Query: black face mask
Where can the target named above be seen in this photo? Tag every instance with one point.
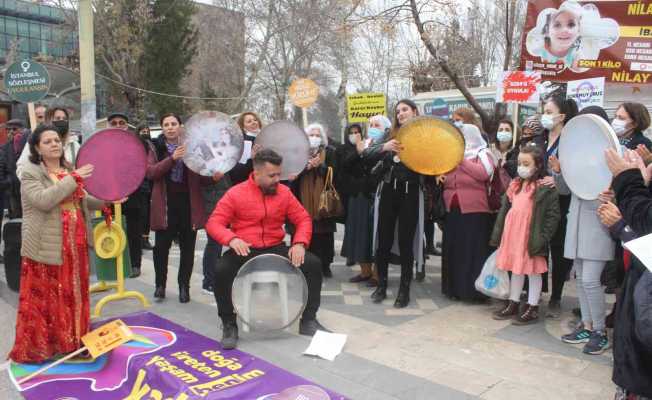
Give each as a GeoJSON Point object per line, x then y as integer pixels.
{"type": "Point", "coordinates": [62, 127]}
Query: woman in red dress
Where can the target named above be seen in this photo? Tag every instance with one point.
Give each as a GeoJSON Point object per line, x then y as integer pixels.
{"type": "Point", "coordinates": [53, 309]}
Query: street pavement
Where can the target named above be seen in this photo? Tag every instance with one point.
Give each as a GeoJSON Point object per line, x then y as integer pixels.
{"type": "Point", "coordinates": [433, 349]}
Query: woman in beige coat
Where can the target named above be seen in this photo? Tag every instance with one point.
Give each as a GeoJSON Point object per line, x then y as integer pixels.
{"type": "Point", "coordinates": [53, 309]}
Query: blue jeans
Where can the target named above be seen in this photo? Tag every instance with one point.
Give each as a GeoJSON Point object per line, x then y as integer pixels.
{"type": "Point", "coordinates": [212, 252]}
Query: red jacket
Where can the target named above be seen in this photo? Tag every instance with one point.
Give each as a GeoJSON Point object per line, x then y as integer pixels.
{"type": "Point", "coordinates": [245, 213]}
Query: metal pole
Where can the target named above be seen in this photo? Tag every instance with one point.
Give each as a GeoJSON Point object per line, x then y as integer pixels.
{"type": "Point", "coordinates": [87, 68]}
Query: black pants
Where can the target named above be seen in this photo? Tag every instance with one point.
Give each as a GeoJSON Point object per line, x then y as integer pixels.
{"type": "Point", "coordinates": [230, 263]}
{"type": "Point", "coordinates": [146, 207]}
{"type": "Point", "coordinates": [179, 225]}
{"type": "Point", "coordinates": [429, 230]}
{"type": "Point", "coordinates": [399, 201]}
{"type": "Point", "coordinates": [560, 266]}
{"type": "Point", "coordinates": [134, 216]}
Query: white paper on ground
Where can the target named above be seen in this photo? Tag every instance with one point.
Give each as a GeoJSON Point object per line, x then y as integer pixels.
{"type": "Point", "coordinates": [246, 152]}
{"type": "Point", "coordinates": [642, 249]}
{"type": "Point", "coordinates": [326, 345]}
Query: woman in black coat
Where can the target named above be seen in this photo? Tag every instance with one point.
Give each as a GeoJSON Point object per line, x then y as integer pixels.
{"type": "Point", "coordinates": [358, 187]}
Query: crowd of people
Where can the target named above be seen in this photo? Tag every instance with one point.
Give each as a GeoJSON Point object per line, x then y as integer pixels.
{"type": "Point", "coordinates": [507, 195]}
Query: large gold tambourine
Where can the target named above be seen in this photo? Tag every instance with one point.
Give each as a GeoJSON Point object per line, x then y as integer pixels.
{"type": "Point", "coordinates": [430, 146]}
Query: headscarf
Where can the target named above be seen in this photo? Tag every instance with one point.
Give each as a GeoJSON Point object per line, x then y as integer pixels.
{"type": "Point", "coordinates": [534, 124]}
{"type": "Point", "coordinates": [475, 146]}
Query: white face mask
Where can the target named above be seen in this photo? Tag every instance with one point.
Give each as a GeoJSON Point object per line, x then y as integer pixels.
{"type": "Point", "coordinates": [353, 139]}
{"type": "Point", "coordinates": [458, 124]}
{"type": "Point", "coordinates": [620, 126]}
{"type": "Point", "coordinates": [314, 141]}
{"type": "Point", "coordinates": [524, 172]}
{"type": "Point", "coordinates": [547, 121]}
{"type": "Point", "coordinates": [504, 136]}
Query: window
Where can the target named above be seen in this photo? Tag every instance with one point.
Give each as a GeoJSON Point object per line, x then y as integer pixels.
{"type": "Point", "coordinates": [23, 28]}
{"type": "Point", "coordinates": [10, 26]}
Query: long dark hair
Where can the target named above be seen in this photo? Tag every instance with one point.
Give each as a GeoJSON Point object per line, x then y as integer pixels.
{"type": "Point", "coordinates": [539, 163]}
{"type": "Point", "coordinates": [568, 107]}
{"type": "Point", "coordinates": [35, 140]}
{"type": "Point", "coordinates": [396, 125]}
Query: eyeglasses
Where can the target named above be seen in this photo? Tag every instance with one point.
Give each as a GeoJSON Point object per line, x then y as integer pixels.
{"type": "Point", "coordinates": [119, 122]}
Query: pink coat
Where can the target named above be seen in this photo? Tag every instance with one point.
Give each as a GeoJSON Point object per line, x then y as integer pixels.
{"type": "Point", "coordinates": [469, 181]}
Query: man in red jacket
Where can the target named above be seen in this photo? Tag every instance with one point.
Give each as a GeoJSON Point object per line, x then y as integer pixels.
{"type": "Point", "coordinates": [249, 219]}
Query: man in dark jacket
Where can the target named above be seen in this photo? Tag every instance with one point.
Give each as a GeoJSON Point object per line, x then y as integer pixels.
{"type": "Point", "coordinates": [632, 370]}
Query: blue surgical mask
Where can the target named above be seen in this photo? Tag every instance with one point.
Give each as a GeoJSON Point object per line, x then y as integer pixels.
{"type": "Point", "coordinates": [504, 136]}
{"type": "Point", "coordinates": [375, 134]}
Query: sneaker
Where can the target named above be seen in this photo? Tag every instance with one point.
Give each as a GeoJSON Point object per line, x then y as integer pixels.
{"type": "Point", "coordinates": [207, 290]}
{"type": "Point", "coordinates": [597, 344]}
{"type": "Point", "coordinates": [579, 335]}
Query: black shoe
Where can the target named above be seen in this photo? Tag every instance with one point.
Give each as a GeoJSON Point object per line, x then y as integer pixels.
{"type": "Point", "coordinates": [308, 327]}
{"type": "Point", "coordinates": [184, 294]}
{"type": "Point", "coordinates": [229, 334]}
{"type": "Point", "coordinates": [420, 276]}
{"type": "Point", "coordinates": [135, 273]}
{"type": "Point", "coordinates": [147, 245]}
{"type": "Point", "coordinates": [403, 297]}
{"type": "Point", "coordinates": [359, 278]}
{"type": "Point", "coordinates": [380, 293]}
{"type": "Point", "coordinates": [327, 272]}
{"type": "Point", "coordinates": [431, 249]}
{"type": "Point", "coordinates": [159, 293]}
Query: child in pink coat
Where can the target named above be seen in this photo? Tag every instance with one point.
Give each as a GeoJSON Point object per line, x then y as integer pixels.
{"type": "Point", "coordinates": [525, 224]}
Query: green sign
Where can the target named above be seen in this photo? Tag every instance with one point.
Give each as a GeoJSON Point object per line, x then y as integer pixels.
{"type": "Point", "coordinates": [27, 81]}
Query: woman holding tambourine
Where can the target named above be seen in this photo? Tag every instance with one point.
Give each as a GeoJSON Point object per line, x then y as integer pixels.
{"type": "Point", "coordinates": [400, 194]}
{"type": "Point", "coordinates": [589, 244]}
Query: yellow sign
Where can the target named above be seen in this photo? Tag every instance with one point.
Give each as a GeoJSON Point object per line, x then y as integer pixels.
{"type": "Point", "coordinates": [361, 106]}
{"type": "Point", "coordinates": [303, 92]}
{"type": "Point", "coordinates": [107, 337]}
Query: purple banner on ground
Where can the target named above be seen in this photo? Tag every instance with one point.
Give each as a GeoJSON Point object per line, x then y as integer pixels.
{"type": "Point", "coordinates": [168, 362]}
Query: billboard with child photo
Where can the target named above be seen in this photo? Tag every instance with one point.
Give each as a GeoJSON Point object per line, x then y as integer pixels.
{"type": "Point", "coordinates": [570, 40]}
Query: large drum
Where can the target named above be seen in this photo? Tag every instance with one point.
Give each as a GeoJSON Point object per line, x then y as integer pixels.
{"type": "Point", "coordinates": [582, 147]}
{"type": "Point", "coordinates": [269, 293]}
{"type": "Point", "coordinates": [214, 143]}
{"type": "Point", "coordinates": [120, 163]}
{"type": "Point", "coordinates": [289, 141]}
{"type": "Point", "coordinates": [430, 146]}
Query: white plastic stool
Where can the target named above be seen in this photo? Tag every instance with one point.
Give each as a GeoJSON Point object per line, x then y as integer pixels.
{"type": "Point", "coordinates": [265, 277]}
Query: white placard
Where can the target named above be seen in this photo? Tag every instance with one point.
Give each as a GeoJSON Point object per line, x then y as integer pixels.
{"type": "Point", "coordinates": [586, 92]}
{"type": "Point", "coordinates": [642, 249]}
{"type": "Point", "coordinates": [326, 345]}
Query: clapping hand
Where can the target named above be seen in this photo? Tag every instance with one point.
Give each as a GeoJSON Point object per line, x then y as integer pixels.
{"type": "Point", "coordinates": [645, 154]}
{"type": "Point", "coordinates": [609, 214]}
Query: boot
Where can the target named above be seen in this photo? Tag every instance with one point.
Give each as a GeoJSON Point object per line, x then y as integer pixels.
{"type": "Point", "coordinates": [184, 294]}
{"type": "Point", "coordinates": [530, 316]}
{"type": "Point", "coordinates": [403, 297]}
{"type": "Point", "coordinates": [229, 333]}
{"type": "Point", "coordinates": [159, 293]}
{"type": "Point", "coordinates": [507, 312]}
{"type": "Point", "coordinates": [380, 293]}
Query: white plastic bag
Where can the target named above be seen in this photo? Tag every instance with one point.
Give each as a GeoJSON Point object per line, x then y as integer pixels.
{"type": "Point", "coordinates": [493, 282]}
